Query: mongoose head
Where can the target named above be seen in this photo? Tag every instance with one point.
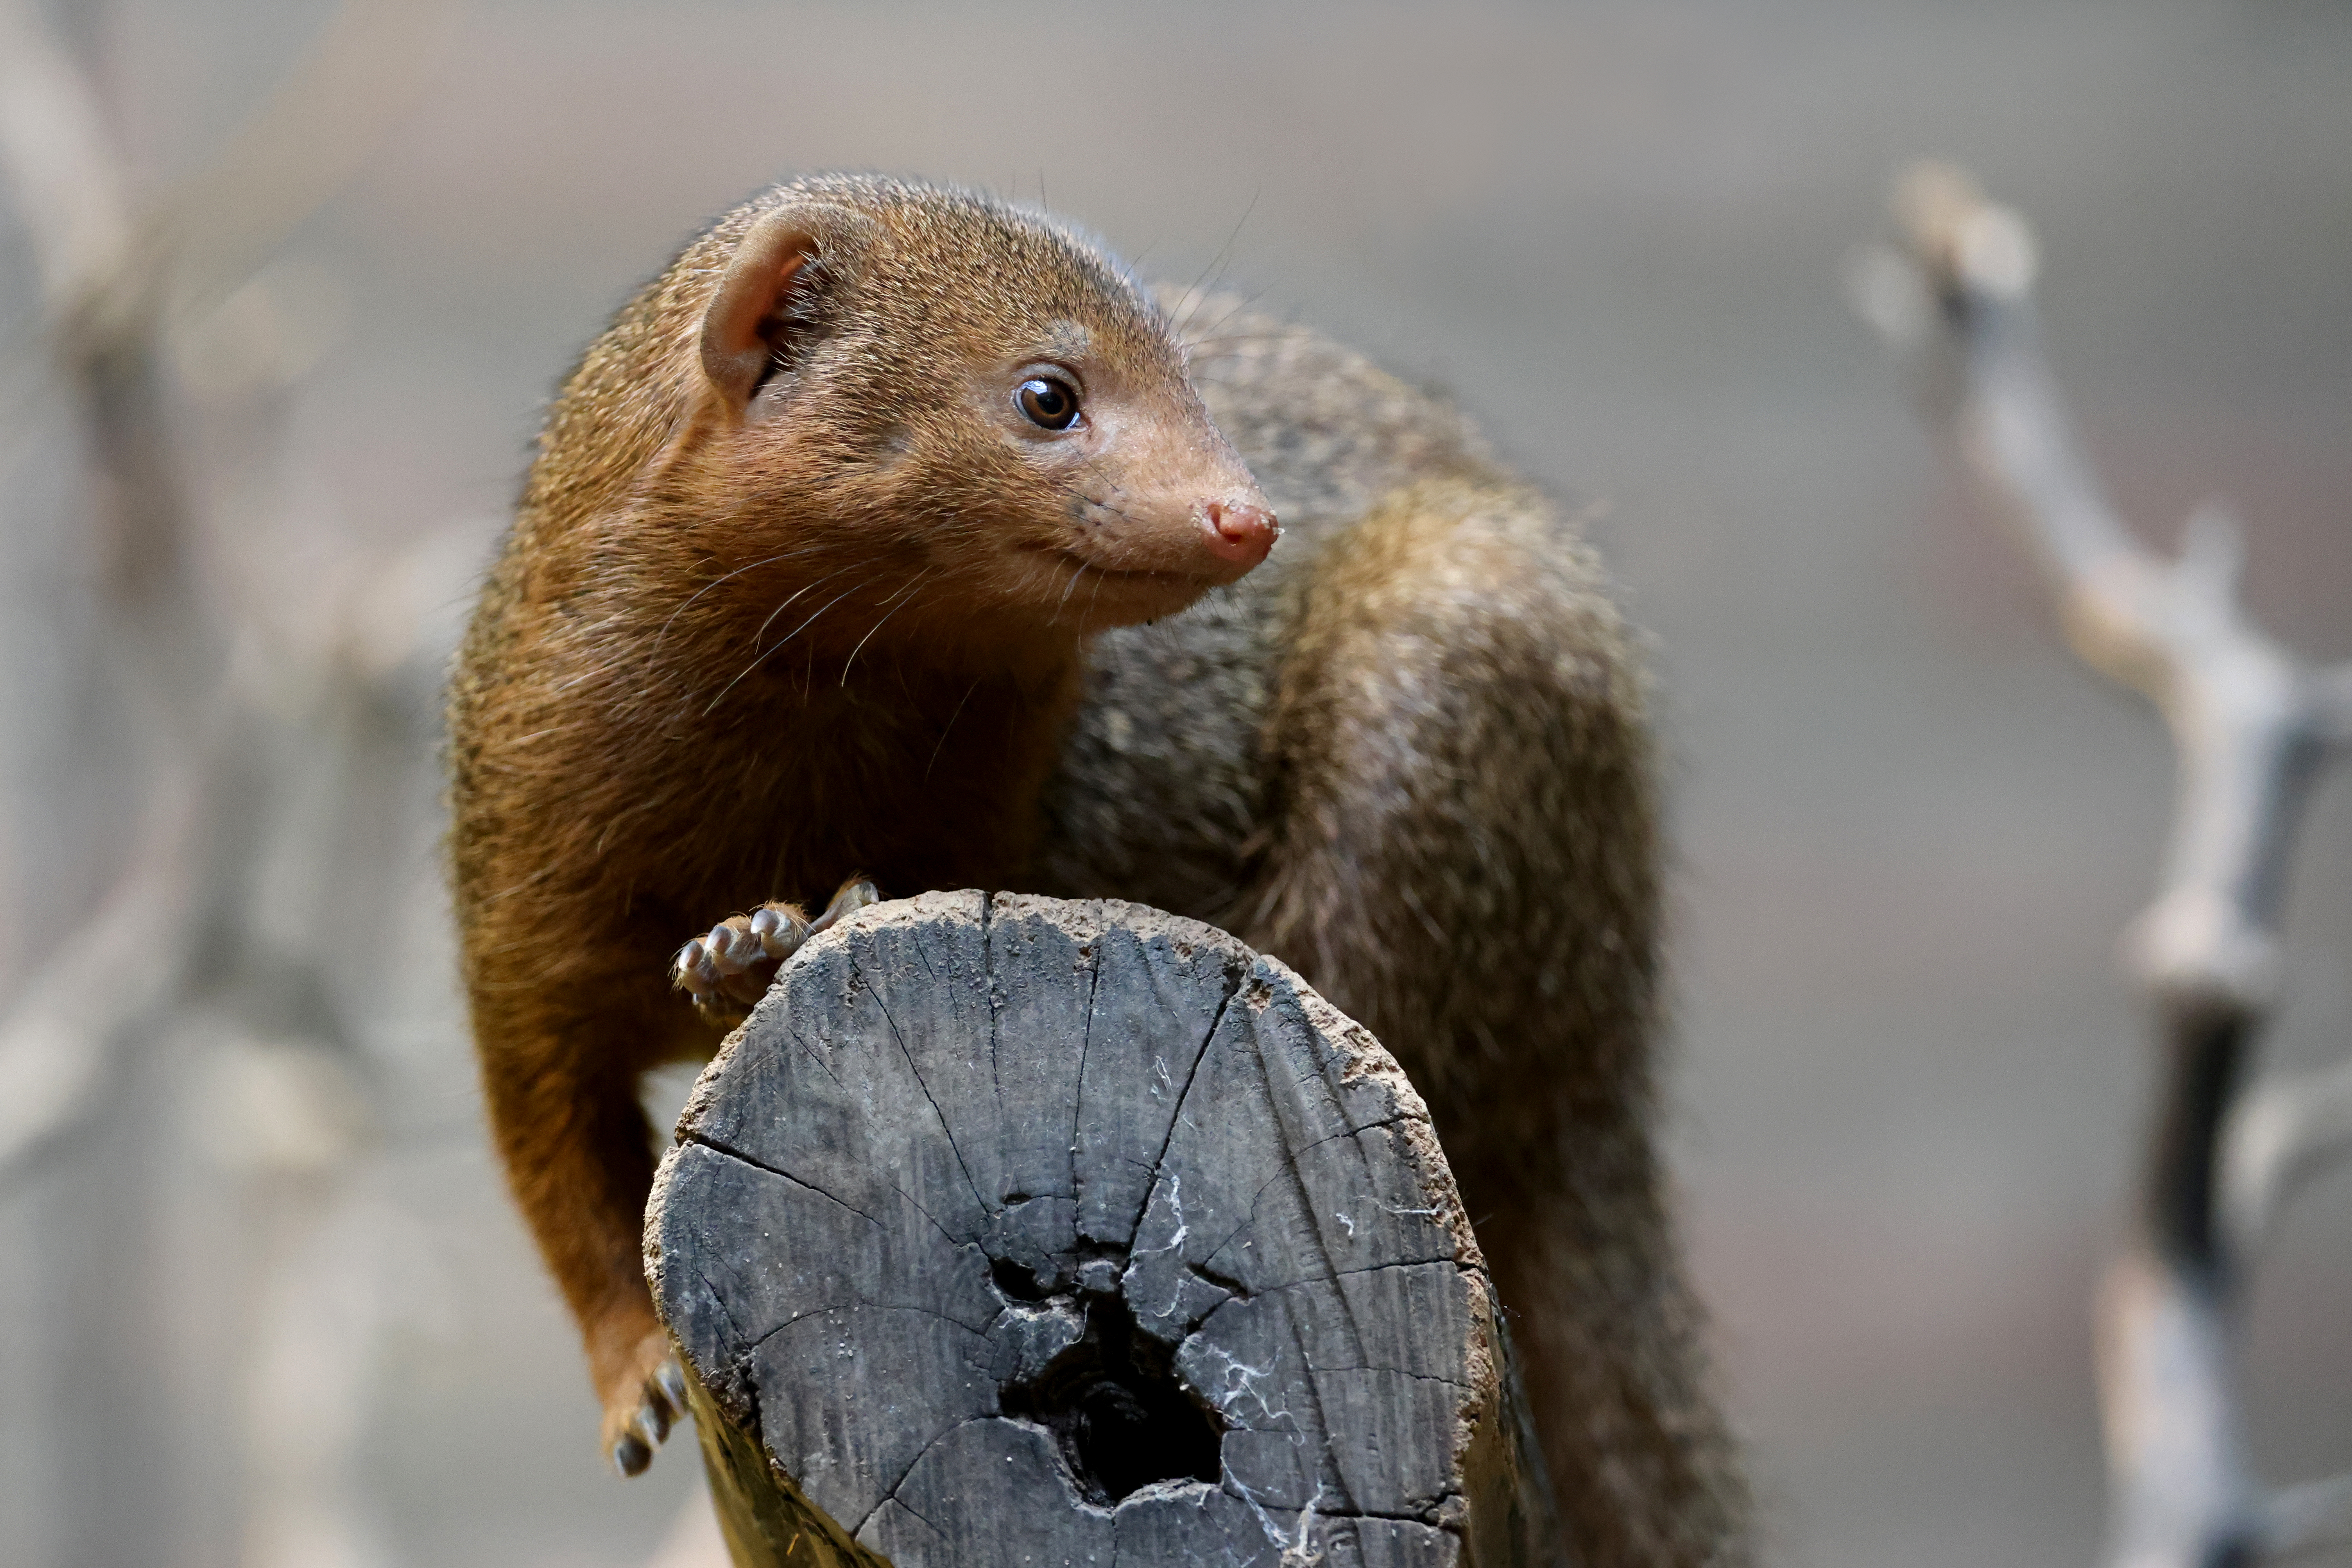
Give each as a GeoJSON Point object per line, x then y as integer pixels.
{"type": "Point", "coordinates": [971, 413]}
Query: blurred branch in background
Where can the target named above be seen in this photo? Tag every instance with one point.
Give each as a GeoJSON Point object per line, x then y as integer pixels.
{"type": "Point", "coordinates": [181, 1069]}
{"type": "Point", "coordinates": [2251, 725]}
{"type": "Point", "coordinates": [179, 596]}
{"type": "Point", "coordinates": [97, 286]}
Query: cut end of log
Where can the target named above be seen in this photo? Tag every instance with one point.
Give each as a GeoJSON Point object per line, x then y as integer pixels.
{"type": "Point", "coordinates": [1008, 1230]}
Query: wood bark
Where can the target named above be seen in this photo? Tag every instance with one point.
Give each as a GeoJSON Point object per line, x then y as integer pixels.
{"type": "Point", "coordinates": [1009, 1230]}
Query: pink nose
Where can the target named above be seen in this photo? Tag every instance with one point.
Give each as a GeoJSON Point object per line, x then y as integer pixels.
{"type": "Point", "coordinates": [1238, 531]}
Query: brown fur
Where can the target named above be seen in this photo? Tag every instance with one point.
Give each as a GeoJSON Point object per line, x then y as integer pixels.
{"type": "Point", "coordinates": [1407, 755]}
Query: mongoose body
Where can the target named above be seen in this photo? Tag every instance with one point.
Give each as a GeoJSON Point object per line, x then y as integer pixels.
{"type": "Point", "coordinates": [810, 582]}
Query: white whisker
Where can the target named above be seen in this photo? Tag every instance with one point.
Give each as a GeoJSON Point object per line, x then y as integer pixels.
{"type": "Point", "coordinates": [760, 657]}
{"type": "Point", "coordinates": [908, 598]}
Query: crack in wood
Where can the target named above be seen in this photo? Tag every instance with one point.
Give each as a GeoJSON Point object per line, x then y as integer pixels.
{"type": "Point", "coordinates": [1088, 952]}
{"type": "Point", "coordinates": [705, 1140]}
{"type": "Point", "coordinates": [945, 1131]}
{"type": "Point", "coordinates": [1176, 1117]}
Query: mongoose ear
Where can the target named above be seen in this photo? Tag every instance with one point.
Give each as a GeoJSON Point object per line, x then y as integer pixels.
{"type": "Point", "coordinates": [750, 319]}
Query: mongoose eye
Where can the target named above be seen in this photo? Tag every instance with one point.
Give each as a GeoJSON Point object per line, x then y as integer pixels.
{"type": "Point", "coordinates": [1049, 402]}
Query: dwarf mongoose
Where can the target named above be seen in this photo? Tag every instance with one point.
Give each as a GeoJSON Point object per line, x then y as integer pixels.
{"type": "Point", "coordinates": [894, 533]}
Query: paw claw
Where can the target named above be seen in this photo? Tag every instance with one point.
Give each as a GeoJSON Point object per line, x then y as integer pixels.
{"type": "Point", "coordinates": [782, 934]}
{"type": "Point", "coordinates": [691, 971]}
{"type": "Point", "coordinates": [854, 895]}
{"type": "Point", "coordinates": [632, 1454]}
{"type": "Point", "coordinates": [671, 1379]}
{"type": "Point", "coordinates": [727, 954]}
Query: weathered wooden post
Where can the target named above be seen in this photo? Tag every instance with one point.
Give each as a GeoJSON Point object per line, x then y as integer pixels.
{"type": "Point", "coordinates": [1015, 1231]}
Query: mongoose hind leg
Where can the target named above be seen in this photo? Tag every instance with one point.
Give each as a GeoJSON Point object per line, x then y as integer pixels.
{"type": "Point", "coordinates": [1463, 856]}
{"type": "Point", "coordinates": [728, 968]}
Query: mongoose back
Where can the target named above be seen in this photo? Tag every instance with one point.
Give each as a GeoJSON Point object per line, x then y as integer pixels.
{"type": "Point", "coordinates": [895, 533]}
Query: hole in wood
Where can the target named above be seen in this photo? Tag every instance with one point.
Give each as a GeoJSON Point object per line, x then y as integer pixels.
{"type": "Point", "coordinates": [1017, 1281]}
{"type": "Point", "coordinates": [1118, 1414]}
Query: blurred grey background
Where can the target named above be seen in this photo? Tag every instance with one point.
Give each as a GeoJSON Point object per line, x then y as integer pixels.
{"type": "Point", "coordinates": [1907, 1077]}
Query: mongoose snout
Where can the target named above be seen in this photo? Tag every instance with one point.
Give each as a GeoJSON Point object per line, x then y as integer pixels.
{"type": "Point", "coordinates": [1239, 531]}
{"type": "Point", "coordinates": [1177, 552]}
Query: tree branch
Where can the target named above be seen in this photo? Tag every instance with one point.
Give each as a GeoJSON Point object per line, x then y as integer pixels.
{"type": "Point", "coordinates": [2251, 724]}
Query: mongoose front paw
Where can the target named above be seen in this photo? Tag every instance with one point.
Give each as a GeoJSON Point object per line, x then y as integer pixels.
{"type": "Point", "coordinates": [730, 968]}
{"type": "Point", "coordinates": [649, 1400]}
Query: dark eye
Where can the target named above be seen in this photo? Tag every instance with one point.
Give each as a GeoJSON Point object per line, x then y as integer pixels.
{"type": "Point", "coordinates": [1049, 402]}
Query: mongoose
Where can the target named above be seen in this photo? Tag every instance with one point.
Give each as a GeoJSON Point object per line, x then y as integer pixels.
{"type": "Point", "coordinates": [897, 537]}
